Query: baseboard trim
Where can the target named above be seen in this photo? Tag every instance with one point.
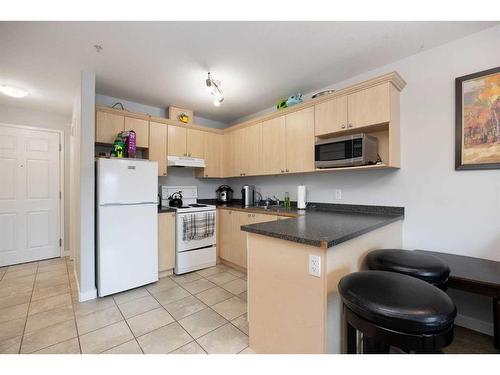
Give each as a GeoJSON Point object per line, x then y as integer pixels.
{"type": "Point", "coordinates": [84, 296]}
{"type": "Point", "coordinates": [474, 324]}
{"type": "Point", "coordinates": [88, 295]}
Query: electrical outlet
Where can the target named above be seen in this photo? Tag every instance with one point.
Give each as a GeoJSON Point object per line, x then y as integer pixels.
{"type": "Point", "coordinates": [338, 194]}
{"type": "Point", "coordinates": [314, 265]}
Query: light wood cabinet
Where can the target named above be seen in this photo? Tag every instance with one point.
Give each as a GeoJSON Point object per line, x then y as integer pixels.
{"type": "Point", "coordinates": [330, 116]}
{"type": "Point", "coordinates": [166, 241]}
{"type": "Point", "coordinates": [141, 129]}
{"type": "Point", "coordinates": [227, 220]}
{"type": "Point", "coordinates": [252, 150]}
{"type": "Point", "coordinates": [274, 146]}
{"type": "Point", "coordinates": [232, 240]}
{"type": "Point", "coordinates": [177, 141]}
{"type": "Point", "coordinates": [108, 125]}
{"type": "Point", "coordinates": [246, 150]}
{"type": "Point", "coordinates": [300, 141]}
{"type": "Point", "coordinates": [228, 167]}
{"type": "Point", "coordinates": [195, 143]}
{"type": "Point", "coordinates": [158, 146]}
{"type": "Point", "coordinates": [369, 107]}
{"type": "Point", "coordinates": [213, 145]}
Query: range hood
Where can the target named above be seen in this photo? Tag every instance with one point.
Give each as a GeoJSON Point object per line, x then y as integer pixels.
{"type": "Point", "coordinates": [185, 161]}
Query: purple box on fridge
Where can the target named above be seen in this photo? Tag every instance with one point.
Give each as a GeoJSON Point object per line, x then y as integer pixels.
{"type": "Point", "coordinates": [130, 144]}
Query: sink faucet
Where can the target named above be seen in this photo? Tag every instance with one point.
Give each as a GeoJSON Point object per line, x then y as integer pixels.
{"type": "Point", "coordinates": [277, 200]}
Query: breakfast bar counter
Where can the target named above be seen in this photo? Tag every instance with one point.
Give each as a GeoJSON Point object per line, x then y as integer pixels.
{"type": "Point", "coordinates": [295, 264]}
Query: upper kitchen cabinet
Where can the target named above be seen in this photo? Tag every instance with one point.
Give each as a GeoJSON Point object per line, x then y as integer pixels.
{"type": "Point", "coordinates": [158, 146]}
{"type": "Point", "coordinates": [228, 165]}
{"type": "Point", "coordinates": [177, 142]}
{"type": "Point", "coordinates": [330, 116]}
{"type": "Point", "coordinates": [369, 107]}
{"type": "Point", "coordinates": [246, 151]}
{"type": "Point", "coordinates": [300, 141]}
{"type": "Point", "coordinates": [252, 150]}
{"type": "Point", "coordinates": [213, 151]}
{"type": "Point", "coordinates": [274, 146]}
{"type": "Point", "coordinates": [195, 140]}
{"type": "Point", "coordinates": [141, 129]}
{"type": "Point", "coordinates": [108, 125]}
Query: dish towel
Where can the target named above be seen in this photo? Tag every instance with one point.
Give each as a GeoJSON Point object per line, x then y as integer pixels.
{"type": "Point", "coordinates": [198, 226]}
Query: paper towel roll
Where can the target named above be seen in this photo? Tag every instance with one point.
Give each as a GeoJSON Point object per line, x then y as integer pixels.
{"type": "Point", "coordinates": [301, 197]}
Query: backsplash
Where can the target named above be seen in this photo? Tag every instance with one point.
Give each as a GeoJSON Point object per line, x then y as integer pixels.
{"type": "Point", "coordinates": [185, 177]}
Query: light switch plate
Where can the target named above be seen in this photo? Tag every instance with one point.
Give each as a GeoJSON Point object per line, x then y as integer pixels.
{"type": "Point", "coordinates": [315, 265]}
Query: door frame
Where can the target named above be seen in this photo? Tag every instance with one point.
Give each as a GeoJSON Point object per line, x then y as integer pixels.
{"type": "Point", "coordinates": [62, 252]}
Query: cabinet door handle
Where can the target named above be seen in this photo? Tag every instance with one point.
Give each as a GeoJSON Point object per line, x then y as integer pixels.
{"type": "Point", "coordinates": [343, 126]}
{"type": "Point", "coordinates": [282, 171]}
{"type": "Point", "coordinates": [287, 170]}
{"type": "Point", "coordinates": [189, 155]}
{"type": "Point", "coordinates": [349, 125]}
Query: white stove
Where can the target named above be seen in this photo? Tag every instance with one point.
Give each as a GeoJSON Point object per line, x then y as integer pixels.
{"type": "Point", "coordinates": [189, 198]}
{"type": "Point", "coordinates": [191, 252]}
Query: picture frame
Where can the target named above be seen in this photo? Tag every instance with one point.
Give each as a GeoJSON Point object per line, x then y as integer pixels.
{"type": "Point", "coordinates": [477, 120]}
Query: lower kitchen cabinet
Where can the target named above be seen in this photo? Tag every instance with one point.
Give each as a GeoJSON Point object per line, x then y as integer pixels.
{"type": "Point", "coordinates": [232, 241]}
{"type": "Point", "coordinates": [166, 241]}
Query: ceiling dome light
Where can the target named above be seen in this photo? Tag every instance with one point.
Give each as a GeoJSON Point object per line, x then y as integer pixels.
{"type": "Point", "coordinates": [213, 87]}
{"type": "Point", "coordinates": [15, 92]}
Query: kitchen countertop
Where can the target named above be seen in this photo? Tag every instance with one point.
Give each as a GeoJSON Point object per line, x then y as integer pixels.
{"type": "Point", "coordinates": [163, 209]}
{"type": "Point", "coordinates": [278, 211]}
{"type": "Point", "coordinates": [325, 225]}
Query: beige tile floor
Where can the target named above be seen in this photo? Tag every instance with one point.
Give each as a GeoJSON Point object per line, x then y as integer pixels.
{"type": "Point", "coordinates": [197, 313]}
{"type": "Point", "coordinates": [201, 312]}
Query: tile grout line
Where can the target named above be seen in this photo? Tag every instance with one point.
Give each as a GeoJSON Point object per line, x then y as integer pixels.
{"type": "Point", "coordinates": [48, 346]}
{"type": "Point", "coordinates": [128, 325]}
{"type": "Point", "coordinates": [73, 307]}
{"type": "Point", "coordinates": [228, 321]}
{"type": "Point", "coordinates": [28, 311]}
{"type": "Point", "coordinates": [175, 320]}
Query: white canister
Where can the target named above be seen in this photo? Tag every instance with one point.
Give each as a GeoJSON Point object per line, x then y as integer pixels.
{"type": "Point", "coordinates": [301, 197]}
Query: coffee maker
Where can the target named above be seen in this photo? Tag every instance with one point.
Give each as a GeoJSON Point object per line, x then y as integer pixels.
{"type": "Point", "coordinates": [247, 195]}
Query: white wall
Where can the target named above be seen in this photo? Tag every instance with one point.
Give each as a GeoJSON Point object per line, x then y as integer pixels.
{"type": "Point", "coordinates": [446, 210]}
{"type": "Point", "coordinates": [82, 185]}
{"type": "Point", "coordinates": [28, 117]}
{"type": "Point", "coordinates": [108, 101]}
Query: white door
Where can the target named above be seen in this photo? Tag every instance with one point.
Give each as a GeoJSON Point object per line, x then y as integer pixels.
{"type": "Point", "coordinates": [29, 195]}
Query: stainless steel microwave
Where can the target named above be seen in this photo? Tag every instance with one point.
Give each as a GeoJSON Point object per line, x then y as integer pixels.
{"type": "Point", "coordinates": [349, 150]}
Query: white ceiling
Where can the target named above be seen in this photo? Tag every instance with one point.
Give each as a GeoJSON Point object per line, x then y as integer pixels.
{"type": "Point", "coordinates": [162, 63]}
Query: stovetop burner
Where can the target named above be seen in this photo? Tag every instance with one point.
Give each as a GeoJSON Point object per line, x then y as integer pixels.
{"type": "Point", "coordinates": [197, 205]}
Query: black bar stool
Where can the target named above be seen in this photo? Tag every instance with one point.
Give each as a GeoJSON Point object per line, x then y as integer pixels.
{"type": "Point", "coordinates": [392, 309]}
{"type": "Point", "coordinates": [424, 267]}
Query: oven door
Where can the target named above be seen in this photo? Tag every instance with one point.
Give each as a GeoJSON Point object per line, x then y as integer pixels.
{"type": "Point", "coordinates": [336, 152]}
{"type": "Point", "coordinates": [182, 245]}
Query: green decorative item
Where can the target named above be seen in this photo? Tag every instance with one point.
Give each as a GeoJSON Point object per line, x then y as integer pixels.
{"type": "Point", "coordinates": [281, 104]}
{"type": "Point", "coordinates": [118, 147]}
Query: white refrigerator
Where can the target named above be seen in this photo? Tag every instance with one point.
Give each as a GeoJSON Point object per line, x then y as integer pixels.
{"type": "Point", "coordinates": [127, 224]}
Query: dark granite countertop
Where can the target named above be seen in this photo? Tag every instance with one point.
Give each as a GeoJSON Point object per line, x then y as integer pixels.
{"type": "Point", "coordinates": [163, 209]}
{"type": "Point", "coordinates": [327, 225]}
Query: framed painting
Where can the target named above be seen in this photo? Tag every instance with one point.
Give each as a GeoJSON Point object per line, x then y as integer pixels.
{"type": "Point", "coordinates": [477, 117]}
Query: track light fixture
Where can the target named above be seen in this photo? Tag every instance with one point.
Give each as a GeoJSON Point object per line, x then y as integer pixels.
{"type": "Point", "coordinates": [213, 87]}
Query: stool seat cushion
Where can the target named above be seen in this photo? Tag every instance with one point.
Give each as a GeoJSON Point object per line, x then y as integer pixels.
{"type": "Point", "coordinates": [396, 301]}
{"type": "Point", "coordinates": [425, 267]}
